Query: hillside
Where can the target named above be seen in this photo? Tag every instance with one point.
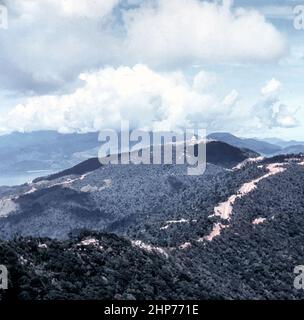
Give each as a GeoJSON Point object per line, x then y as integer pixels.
{"type": "Point", "coordinates": [110, 197]}
{"type": "Point", "coordinates": [88, 267]}
{"type": "Point", "coordinates": [217, 152]}
{"type": "Point", "coordinates": [173, 257]}
{"type": "Point", "coordinates": [231, 233]}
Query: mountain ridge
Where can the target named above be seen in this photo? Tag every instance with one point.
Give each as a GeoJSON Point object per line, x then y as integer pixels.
{"type": "Point", "coordinates": [249, 143]}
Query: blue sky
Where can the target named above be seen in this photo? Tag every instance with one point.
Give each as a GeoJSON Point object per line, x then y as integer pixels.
{"type": "Point", "coordinates": [84, 65]}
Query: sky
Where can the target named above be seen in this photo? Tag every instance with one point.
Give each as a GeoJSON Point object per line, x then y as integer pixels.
{"type": "Point", "coordinates": [87, 65]}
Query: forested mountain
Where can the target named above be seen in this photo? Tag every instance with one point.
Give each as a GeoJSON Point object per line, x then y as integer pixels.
{"type": "Point", "coordinates": [231, 233]}
{"type": "Point", "coordinates": [252, 258]}
{"type": "Point", "coordinates": [108, 197]}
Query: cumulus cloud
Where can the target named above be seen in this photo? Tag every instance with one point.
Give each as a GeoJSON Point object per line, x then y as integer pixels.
{"type": "Point", "coordinates": [50, 42]}
{"type": "Point", "coordinates": [285, 116]}
{"type": "Point", "coordinates": [271, 111]}
{"type": "Point", "coordinates": [179, 31]}
{"type": "Point", "coordinates": [148, 99]}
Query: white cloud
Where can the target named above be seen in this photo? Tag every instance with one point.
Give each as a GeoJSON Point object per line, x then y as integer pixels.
{"type": "Point", "coordinates": [86, 8]}
{"type": "Point", "coordinates": [270, 111]}
{"type": "Point", "coordinates": [285, 116]}
{"type": "Point", "coordinates": [31, 9]}
{"type": "Point", "coordinates": [49, 42]}
{"type": "Point", "coordinates": [204, 80]}
{"type": "Point", "coordinates": [231, 98]}
{"type": "Point", "coordinates": [272, 88]}
{"type": "Point", "coordinates": [148, 99]}
{"type": "Point", "coordinates": [181, 31]}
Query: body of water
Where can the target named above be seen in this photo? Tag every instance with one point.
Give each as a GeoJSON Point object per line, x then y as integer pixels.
{"type": "Point", "coordinates": [14, 180]}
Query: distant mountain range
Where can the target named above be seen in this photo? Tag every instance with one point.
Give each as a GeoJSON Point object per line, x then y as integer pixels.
{"type": "Point", "coordinates": [43, 150]}
{"type": "Point", "coordinates": [267, 147]}
{"type": "Point", "coordinates": [261, 147]}
{"type": "Point", "coordinates": [282, 143]}
{"type": "Point", "coordinates": [30, 154]}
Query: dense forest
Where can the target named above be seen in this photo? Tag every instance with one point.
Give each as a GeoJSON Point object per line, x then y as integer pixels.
{"type": "Point", "coordinates": [107, 268]}
{"type": "Point", "coordinates": [154, 251]}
